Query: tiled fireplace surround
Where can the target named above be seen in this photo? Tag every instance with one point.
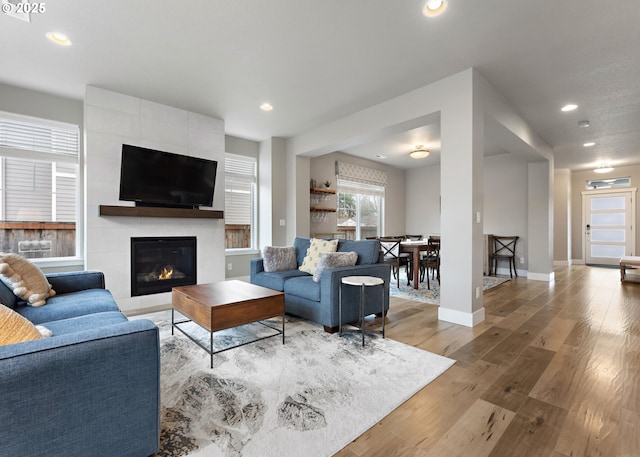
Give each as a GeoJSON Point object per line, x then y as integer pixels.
{"type": "Point", "coordinates": [111, 119]}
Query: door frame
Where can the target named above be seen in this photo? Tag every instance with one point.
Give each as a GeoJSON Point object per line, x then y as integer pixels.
{"type": "Point", "coordinates": [630, 190]}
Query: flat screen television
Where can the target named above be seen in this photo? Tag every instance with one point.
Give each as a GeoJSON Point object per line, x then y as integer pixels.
{"type": "Point", "coordinates": [156, 178]}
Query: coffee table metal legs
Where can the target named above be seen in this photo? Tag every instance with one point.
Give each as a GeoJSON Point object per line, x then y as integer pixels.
{"type": "Point", "coordinates": [209, 349]}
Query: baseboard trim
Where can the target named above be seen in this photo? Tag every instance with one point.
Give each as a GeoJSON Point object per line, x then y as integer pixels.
{"type": "Point", "coordinates": [577, 261]}
{"type": "Point", "coordinates": [561, 263]}
{"type": "Point", "coordinates": [548, 277]}
{"type": "Point", "coordinates": [459, 317]}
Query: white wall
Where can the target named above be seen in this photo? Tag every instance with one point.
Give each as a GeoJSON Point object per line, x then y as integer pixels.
{"type": "Point", "coordinates": [112, 119]}
{"type": "Point", "coordinates": [505, 200]}
{"type": "Point", "coordinates": [562, 217]}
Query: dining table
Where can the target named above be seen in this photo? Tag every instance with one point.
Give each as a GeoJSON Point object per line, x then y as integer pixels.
{"type": "Point", "coordinates": [415, 248]}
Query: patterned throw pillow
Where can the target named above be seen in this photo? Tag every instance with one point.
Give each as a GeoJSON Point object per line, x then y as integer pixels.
{"type": "Point", "coordinates": [334, 260]}
{"type": "Point", "coordinates": [16, 329]}
{"type": "Point", "coordinates": [279, 258]}
{"type": "Point", "coordinates": [25, 279]}
{"type": "Point", "coordinates": [314, 253]}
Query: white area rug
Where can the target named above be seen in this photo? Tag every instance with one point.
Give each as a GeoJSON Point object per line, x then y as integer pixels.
{"type": "Point", "coordinates": [311, 396]}
{"type": "Point", "coordinates": [432, 295]}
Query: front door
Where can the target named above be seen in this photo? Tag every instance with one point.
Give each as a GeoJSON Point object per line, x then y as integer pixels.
{"type": "Point", "coordinates": [609, 225]}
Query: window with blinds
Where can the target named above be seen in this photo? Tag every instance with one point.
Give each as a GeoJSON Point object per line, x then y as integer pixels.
{"type": "Point", "coordinates": [39, 169]}
{"type": "Point", "coordinates": [240, 201]}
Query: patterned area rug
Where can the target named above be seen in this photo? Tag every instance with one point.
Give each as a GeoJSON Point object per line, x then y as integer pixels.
{"type": "Point", "coordinates": [432, 296]}
{"type": "Point", "coordinates": [311, 396]}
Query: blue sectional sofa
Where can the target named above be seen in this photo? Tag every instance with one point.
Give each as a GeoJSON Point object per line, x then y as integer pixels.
{"type": "Point", "coordinates": [319, 301]}
{"type": "Point", "coordinates": [92, 389]}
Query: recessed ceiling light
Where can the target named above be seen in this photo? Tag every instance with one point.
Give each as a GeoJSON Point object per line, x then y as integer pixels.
{"type": "Point", "coordinates": [434, 7]}
{"type": "Point", "coordinates": [58, 38]}
{"type": "Point", "coordinates": [266, 107]}
{"type": "Point", "coordinates": [380, 156]}
{"type": "Point", "coordinates": [569, 107]}
{"type": "Point", "coordinates": [589, 144]}
{"type": "Point", "coordinates": [584, 124]}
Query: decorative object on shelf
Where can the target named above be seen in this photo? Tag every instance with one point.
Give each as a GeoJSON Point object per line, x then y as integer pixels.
{"type": "Point", "coordinates": [327, 184]}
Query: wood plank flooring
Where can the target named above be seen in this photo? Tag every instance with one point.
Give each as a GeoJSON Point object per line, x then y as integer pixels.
{"type": "Point", "coordinates": [554, 370]}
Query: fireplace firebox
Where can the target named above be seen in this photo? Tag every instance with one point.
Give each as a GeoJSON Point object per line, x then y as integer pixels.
{"type": "Point", "coordinates": [159, 264]}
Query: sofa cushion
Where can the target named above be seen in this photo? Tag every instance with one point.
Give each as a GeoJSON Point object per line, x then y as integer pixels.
{"type": "Point", "coordinates": [25, 279]}
{"type": "Point", "coordinates": [15, 329]}
{"type": "Point", "coordinates": [89, 321]}
{"type": "Point", "coordinates": [314, 253]}
{"type": "Point", "coordinates": [304, 287]}
{"type": "Point", "coordinates": [73, 304]}
{"type": "Point", "coordinates": [276, 279]}
{"type": "Point", "coordinates": [334, 260]}
{"type": "Point", "coordinates": [368, 250]}
{"type": "Point", "coordinates": [278, 258]}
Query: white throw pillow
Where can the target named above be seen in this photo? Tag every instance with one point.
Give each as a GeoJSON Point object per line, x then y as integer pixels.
{"type": "Point", "coordinates": [276, 258]}
{"type": "Point", "coordinates": [25, 279]}
{"type": "Point", "coordinates": [314, 253]}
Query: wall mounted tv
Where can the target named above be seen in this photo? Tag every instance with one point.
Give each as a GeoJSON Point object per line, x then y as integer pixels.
{"type": "Point", "coordinates": [156, 178]}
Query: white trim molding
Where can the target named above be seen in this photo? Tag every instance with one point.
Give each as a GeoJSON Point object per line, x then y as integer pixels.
{"type": "Point", "coordinates": [461, 318]}
{"type": "Point", "coordinates": [542, 276]}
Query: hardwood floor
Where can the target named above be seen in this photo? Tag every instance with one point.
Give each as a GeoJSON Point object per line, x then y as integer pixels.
{"type": "Point", "coordinates": [554, 370]}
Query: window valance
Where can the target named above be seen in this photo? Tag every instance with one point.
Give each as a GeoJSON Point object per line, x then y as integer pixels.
{"type": "Point", "coordinates": [356, 173]}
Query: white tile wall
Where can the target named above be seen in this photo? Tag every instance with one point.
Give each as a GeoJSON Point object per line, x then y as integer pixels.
{"type": "Point", "coordinates": [112, 119]}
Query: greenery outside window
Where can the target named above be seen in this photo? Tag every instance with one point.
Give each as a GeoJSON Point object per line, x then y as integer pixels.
{"type": "Point", "coordinates": [240, 202]}
{"type": "Point", "coordinates": [39, 190]}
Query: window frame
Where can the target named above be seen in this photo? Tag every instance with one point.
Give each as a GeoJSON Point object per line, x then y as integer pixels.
{"type": "Point", "coordinates": [347, 186]}
{"type": "Point", "coordinates": [45, 140]}
{"type": "Point", "coordinates": [243, 178]}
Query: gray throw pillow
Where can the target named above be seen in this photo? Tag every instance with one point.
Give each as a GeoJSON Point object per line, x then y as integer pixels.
{"type": "Point", "coordinates": [276, 258]}
{"type": "Point", "coordinates": [334, 260]}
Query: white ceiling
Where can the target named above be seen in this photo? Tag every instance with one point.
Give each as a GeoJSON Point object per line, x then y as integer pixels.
{"type": "Point", "coordinates": [316, 61]}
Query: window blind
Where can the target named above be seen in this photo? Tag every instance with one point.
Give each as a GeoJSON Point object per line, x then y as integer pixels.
{"type": "Point", "coordinates": [240, 178]}
{"type": "Point", "coordinates": [40, 139]}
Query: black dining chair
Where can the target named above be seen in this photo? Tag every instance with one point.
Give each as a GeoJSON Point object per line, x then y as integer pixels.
{"type": "Point", "coordinates": [431, 261]}
{"type": "Point", "coordinates": [390, 247]}
{"type": "Point", "coordinates": [504, 248]}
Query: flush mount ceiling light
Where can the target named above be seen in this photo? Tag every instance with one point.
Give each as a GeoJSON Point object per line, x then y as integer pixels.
{"type": "Point", "coordinates": [434, 8]}
{"type": "Point", "coordinates": [266, 107]}
{"type": "Point", "coordinates": [58, 38]}
{"type": "Point", "coordinates": [589, 144]}
{"type": "Point", "coordinates": [569, 107]}
{"type": "Point", "coordinates": [605, 168]}
{"type": "Point", "coordinates": [419, 152]}
{"type": "Point", "coordinates": [584, 124]}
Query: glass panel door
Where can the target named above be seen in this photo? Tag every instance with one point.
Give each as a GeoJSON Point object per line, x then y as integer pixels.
{"type": "Point", "coordinates": [608, 227]}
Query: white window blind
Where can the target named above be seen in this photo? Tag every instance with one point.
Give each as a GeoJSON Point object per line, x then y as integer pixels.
{"type": "Point", "coordinates": [240, 179]}
{"type": "Point", "coordinates": [28, 137]}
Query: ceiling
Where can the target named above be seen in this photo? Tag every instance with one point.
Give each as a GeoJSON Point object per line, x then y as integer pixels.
{"type": "Point", "coordinates": [322, 60]}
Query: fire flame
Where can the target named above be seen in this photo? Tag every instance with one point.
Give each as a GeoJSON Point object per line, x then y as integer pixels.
{"type": "Point", "coordinates": [166, 273]}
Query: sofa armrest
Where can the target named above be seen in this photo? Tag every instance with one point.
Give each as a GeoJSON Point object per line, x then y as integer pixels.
{"type": "Point", "coordinates": [256, 266]}
{"type": "Point", "coordinates": [82, 393]}
{"type": "Point", "coordinates": [73, 281]}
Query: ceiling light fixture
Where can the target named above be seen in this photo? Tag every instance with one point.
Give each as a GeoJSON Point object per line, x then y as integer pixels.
{"type": "Point", "coordinates": [434, 8]}
{"type": "Point", "coordinates": [584, 124]}
{"type": "Point", "coordinates": [419, 152]}
{"type": "Point", "coordinates": [58, 38]}
{"type": "Point", "coordinates": [603, 169]}
{"type": "Point", "coordinates": [589, 144]}
{"type": "Point", "coordinates": [569, 107]}
{"type": "Point", "coordinates": [266, 107]}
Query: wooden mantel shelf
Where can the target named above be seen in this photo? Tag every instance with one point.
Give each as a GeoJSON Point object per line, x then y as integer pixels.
{"type": "Point", "coordinates": [145, 211]}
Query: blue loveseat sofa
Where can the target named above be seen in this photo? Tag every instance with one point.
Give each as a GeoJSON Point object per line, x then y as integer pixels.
{"type": "Point", "coordinates": [319, 301]}
{"type": "Point", "coordinates": [92, 389]}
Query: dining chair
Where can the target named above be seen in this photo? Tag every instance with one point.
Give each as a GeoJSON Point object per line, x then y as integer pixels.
{"type": "Point", "coordinates": [504, 248]}
{"type": "Point", "coordinates": [431, 261]}
{"type": "Point", "coordinates": [390, 247]}
{"type": "Point", "coordinates": [413, 237]}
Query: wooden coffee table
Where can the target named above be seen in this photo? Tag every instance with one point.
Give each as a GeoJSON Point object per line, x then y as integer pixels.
{"type": "Point", "coordinates": [226, 304]}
